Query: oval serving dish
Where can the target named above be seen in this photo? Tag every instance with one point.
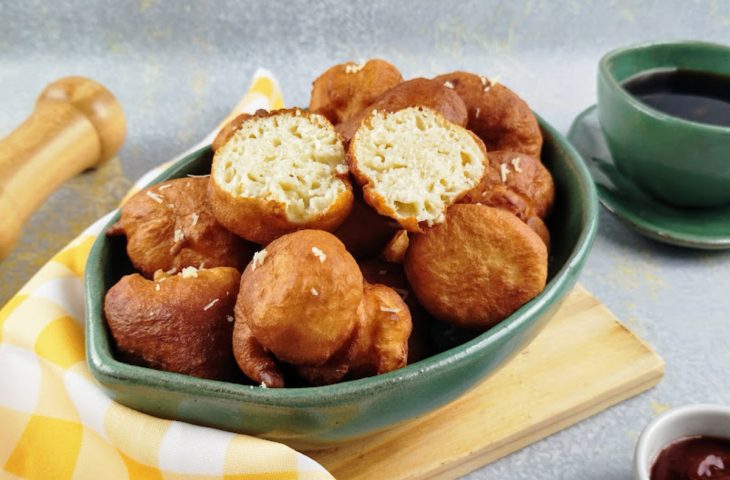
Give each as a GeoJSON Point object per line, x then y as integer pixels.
{"type": "Point", "coordinates": [316, 417]}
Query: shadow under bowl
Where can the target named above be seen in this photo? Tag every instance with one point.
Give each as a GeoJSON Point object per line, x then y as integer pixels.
{"type": "Point", "coordinates": [317, 417]}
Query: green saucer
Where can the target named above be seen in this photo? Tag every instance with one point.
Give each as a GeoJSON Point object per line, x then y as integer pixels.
{"type": "Point", "coordinates": [706, 228]}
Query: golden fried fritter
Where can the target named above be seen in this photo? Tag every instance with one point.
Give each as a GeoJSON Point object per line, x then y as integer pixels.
{"type": "Point", "coordinates": [279, 172]}
{"type": "Point", "coordinates": [392, 275]}
{"type": "Point", "coordinates": [181, 323]}
{"type": "Point", "coordinates": [331, 371]}
{"type": "Point", "coordinates": [516, 182]}
{"type": "Point", "coordinates": [365, 232]}
{"type": "Point", "coordinates": [496, 114]}
{"type": "Point", "coordinates": [344, 90]}
{"type": "Point", "coordinates": [258, 364]}
{"type": "Point", "coordinates": [170, 226]}
{"type": "Point", "coordinates": [395, 250]}
{"type": "Point", "coordinates": [418, 92]}
{"type": "Point", "coordinates": [413, 163]}
{"type": "Point", "coordinates": [381, 335]}
{"type": "Point", "coordinates": [539, 227]}
{"type": "Point", "coordinates": [477, 267]}
{"type": "Point", "coordinates": [299, 296]}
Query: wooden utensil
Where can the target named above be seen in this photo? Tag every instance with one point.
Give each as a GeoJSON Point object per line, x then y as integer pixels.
{"type": "Point", "coordinates": [76, 124]}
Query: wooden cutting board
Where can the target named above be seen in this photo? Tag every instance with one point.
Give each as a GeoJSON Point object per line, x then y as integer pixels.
{"type": "Point", "coordinates": [583, 362]}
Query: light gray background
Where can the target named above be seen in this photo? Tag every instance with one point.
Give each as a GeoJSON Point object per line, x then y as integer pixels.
{"type": "Point", "coordinates": [178, 67]}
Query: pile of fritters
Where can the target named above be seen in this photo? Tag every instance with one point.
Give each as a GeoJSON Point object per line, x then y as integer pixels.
{"type": "Point", "coordinates": [326, 243]}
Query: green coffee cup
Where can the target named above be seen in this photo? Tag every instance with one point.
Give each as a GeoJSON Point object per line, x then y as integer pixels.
{"type": "Point", "coordinates": [680, 162]}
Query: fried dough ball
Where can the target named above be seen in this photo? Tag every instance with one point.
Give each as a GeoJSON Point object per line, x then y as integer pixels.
{"type": "Point", "coordinates": [539, 227]}
{"type": "Point", "coordinates": [516, 182]}
{"type": "Point", "coordinates": [477, 267]}
{"type": "Point", "coordinates": [418, 92]}
{"type": "Point", "coordinates": [280, 172]}
{"type": "Point", "coordinates": [181, 323]}
{"type": "Point", "coordinates": [381, 335]}
{"type": "Point", "coordinates": [299, 297]}
{"type": "Point", "coordinates": [379, 344]}
{"type": "Point", "coordinates": [413, 163]}
{"type": "Point", "coordinates": [331, 371]}
{"type": "Point", "coordinates": [170, 226]}
{"type": "Point", "coordinates": [227, 131]}
{"type": "Point", "coordinates": [395, 250]}
{"type": "Point", "coordinates": [496, 114]}
{"type": "Point", "coordinates": [365, 232]}
{"type": "Point", "coordinates": [258, 364]}
{"type": "Point", "coordinates": [345, 89]}
{"type": "Point", "coordinates": [392, 275]}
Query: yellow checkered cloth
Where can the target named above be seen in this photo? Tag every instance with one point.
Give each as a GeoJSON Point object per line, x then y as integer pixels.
{"type": "Point", "coordinates": [55, 422]}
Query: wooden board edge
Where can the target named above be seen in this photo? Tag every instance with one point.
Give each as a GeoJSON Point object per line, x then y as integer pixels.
{"type": "Point", "coordinates": [541, 431]}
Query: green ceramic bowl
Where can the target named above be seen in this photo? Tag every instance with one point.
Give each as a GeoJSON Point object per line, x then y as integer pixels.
{"type": "Point", "coordinates": [319, 416]}
{"type": "Point", "coordinates": [681, 162]}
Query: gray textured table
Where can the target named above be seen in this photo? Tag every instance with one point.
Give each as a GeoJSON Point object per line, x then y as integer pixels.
{"type": "Point", "coordinates": [178, 67]}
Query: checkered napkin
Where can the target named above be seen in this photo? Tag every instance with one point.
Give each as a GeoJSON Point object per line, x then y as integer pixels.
{"type": "Point", "coordinates": [55, 422]}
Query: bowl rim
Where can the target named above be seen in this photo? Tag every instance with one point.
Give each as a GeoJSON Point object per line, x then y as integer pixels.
{"type": "Point", "coordinates": [107, 369]}
{"type": "Point", "coordinates": [604, 72]}
{"type": "Point", "coordinates": [674, 415]}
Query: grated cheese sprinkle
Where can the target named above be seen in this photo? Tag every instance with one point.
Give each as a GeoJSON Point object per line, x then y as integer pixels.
{"type": "Point", "coordinates": [210, 305]}
{"type": "Point", "coordinates": [189, 272]}
{"type": "Point", "coordinates": [229, 318]}
{"type": "Point", "coordinates": [194, 219]}
{"type": "Point", "coordinates": [319, 254]}
{"type": "Point", "coordinates": [258, 259]}
{"type": "Point", "coordinates": [154, 196]}
{"type": "Point", "coordinates": [172, 271]}
{"type": "Point", "coordinates": [342, 169]}
{"type": "Point", "coordinates": [157, 287]}
{"type": "Point", "coordinates": [503, 172]}
{"type": "Point", "coordinates": [314, 292]}
{"type": "Point", "coordinates": [162, 187]}
{"type": "Point", "coordinates": [478, 111]}
{"type": "Point", "coordinates": [516, 165]}
{"type": "Point", "coordinates": [178, 235]}
{"type": "Point", "coordinates": [389, 309]}
{"type": "Point", "coordinates": [448, 84]}
{"type": "Point", "coordinates": [354, 68]}
{"type": "Point", "coordinates": [198, 176]}
{"type": "Point", "coordinates": [492, 82]}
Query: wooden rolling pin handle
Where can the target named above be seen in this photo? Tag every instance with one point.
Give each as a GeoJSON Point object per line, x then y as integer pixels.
{"type": "Point", "coordinates": [76, 125]}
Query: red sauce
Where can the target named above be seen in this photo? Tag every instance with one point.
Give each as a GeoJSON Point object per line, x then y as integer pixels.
{"type": "Point", "coordinates": [694, 458]}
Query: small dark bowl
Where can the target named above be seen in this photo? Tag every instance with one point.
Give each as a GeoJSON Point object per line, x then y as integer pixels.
{"type": "Point", "coordinates": [314, 417]}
